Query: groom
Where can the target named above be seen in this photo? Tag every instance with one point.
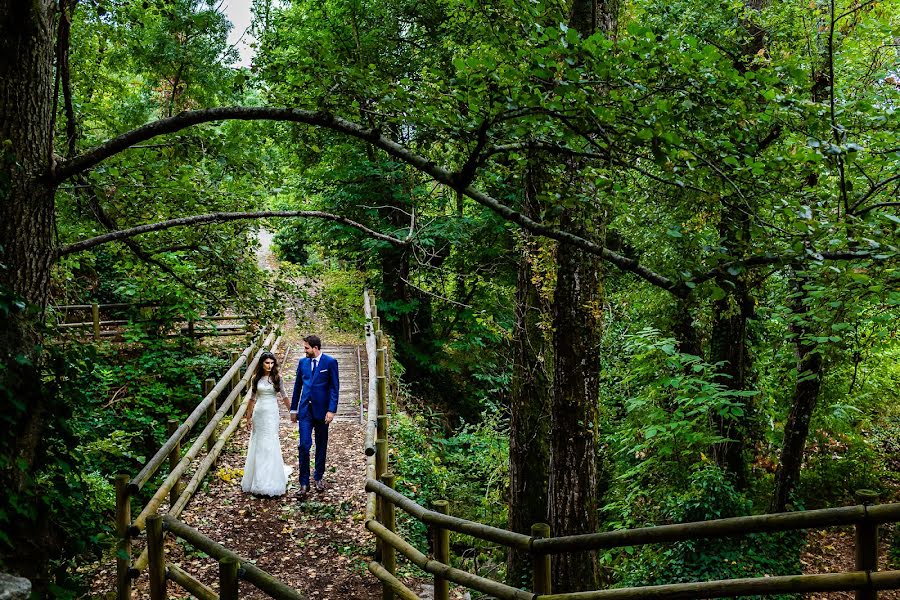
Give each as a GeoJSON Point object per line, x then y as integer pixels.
{"type": "Point", "coordinates": [314, 404]}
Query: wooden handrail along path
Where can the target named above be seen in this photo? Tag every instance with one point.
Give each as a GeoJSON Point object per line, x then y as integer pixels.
{"type": "Point", "coordinates": [96, 324]}
{"type": "Point", "coordinates": [383, 499]}
{"type": "Point", "coordinates": [231, 567]}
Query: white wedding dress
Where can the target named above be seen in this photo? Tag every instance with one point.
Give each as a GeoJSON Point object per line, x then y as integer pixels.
{"type": "Point", "coordinates": [265, 472]}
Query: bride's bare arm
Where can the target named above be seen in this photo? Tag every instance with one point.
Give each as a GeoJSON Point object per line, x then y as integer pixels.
{"type": "Point", "coordinates": [249, 414]}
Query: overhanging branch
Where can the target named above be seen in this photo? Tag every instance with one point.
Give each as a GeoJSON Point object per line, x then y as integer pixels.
{"type": "Point", "coordinates": [222, 218]}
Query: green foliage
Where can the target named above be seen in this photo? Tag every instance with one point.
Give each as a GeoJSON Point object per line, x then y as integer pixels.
{"type": "Point", "coordinates": [468, 468]}
{"type": "Point", "coordinates": [708, 495]}
{"type": "Point", "coordinates": [671, 401]}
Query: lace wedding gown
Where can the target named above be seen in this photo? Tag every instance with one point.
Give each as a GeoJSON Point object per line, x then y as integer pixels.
{"type": "Point", "coordinates": [265, 472]}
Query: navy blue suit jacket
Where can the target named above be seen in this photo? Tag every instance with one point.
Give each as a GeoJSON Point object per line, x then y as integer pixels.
{"type": "Point", "coordinates": [316, 393]}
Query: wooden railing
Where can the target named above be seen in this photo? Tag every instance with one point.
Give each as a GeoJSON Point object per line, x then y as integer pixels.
{"type": "Point", "coordinates": [101, 327]}
{"type": "Point", "coordinates": [126, 486]}
{"type": "Point", "coordinates": [232, 568]}
{"type": "Point", "coordinates": [383, 500]}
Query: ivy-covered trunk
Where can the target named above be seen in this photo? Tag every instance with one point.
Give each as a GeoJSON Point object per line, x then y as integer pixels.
{"type": "Point", "coordinates": [529, 403]}
{"type": "Point", "coordinates": [806, 396]}
{"type": "Point", "coordinates": [27, 249]}
{"type": "Point", "coordinates": [730, 346]}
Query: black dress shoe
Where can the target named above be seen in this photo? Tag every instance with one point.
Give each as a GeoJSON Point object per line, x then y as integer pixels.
{"type": "Point", "coordinates": [303, 492]}
{"type": "Point", "coordinates": [319, 485]}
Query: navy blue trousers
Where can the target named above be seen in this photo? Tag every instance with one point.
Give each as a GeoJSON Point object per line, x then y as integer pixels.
{"type": "Point", "coordinates": [307, 426]}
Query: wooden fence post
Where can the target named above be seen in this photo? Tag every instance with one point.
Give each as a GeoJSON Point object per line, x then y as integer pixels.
{"type": "Point", "coordinates": [174, 459]}
{"type": "Point", "coordinates": [388, 554]}
{"type": "Point", "coordinates": [381, 388]}
{"type": "Point", "coordinates": [95, 317]}
{"type": "Point", "coordinates": [540, 563]}
{"type": "Point", "coordinates": [381, 429]}
{"type": "Point", "coordinates": [123, 549]}
{"type": "Point", "coordinates": [866, 543]}
{"type": "Point", "coordinates": [191, 328]}
{"type": "Point", "coordinates": [156, 565]}
{"type": "Point", "coordinates": [441, 551]}
{"type": "Point", "coordinates": [208, 386]}
{"type": "Point", "coordinates": [228, 578]}
{"type": "Point", "coordinates": [235, 381]}
{"type": "Point", "coordinates": [381, 459]}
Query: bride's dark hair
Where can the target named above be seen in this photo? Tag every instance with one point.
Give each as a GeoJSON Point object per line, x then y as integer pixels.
{"type": "Point", "coordinates": [261, 372]}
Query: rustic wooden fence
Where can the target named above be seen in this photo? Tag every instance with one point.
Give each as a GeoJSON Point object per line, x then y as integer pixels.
{"type": "Point", "coordinates": [102, 325]}
{"type": "Point", "coordinates": [383, 501]}
{"type": "Point", "coordinates": [152, 558]}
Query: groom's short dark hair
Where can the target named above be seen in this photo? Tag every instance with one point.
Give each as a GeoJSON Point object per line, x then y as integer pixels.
{"type": "Point", "coordinates": [313, 341]}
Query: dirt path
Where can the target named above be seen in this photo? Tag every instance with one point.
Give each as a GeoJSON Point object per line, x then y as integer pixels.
{"type": "Point", "coordinates": [317, 546]}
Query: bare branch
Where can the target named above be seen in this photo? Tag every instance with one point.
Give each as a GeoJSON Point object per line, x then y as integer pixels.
{"type": "Point", "coordinates": [220, 218]}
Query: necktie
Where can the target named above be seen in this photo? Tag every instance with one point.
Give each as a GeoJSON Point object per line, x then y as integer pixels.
{"type": "Point", "coordinates": [314, 361]}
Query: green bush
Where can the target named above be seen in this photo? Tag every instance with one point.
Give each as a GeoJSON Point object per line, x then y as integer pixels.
{"type": "Point", "coordinates": [709, 495]}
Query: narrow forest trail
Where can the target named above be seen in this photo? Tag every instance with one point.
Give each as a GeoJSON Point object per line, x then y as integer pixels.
{"type": "Point", "coordinates": [317, 546]}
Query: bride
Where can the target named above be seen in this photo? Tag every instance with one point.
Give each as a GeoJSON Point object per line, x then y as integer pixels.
{"type": "Point", "coordinates": [264, 471]}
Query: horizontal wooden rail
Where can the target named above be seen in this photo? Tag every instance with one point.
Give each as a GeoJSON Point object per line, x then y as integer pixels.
{"type": "Point", "coordinates": [203, 468]}
{"type": "Point", "coordinates": [396, 586]}
{"type": "Point", "coordinates": [188, 457]}
{"type": "Point", "coordinates": [482, 584]}
{"type": "Point", "coordinates": [248, 571]}
{"type": "Point", "coordinates": [154, 463]}
{"type": "Point", "coordinates": [478, 530]}
{"type": "Point", "coordinates": [786, 584]}
{"type": "Point", "coordinates": [195, 587]}
{"type": "Point", "coordinates": [812, 519]}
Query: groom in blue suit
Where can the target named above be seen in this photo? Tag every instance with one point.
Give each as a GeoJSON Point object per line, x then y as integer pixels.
{"type": "Point", "coordinates": [314, 404]}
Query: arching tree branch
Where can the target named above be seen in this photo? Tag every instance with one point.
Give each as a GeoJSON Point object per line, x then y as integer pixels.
{"type": "Point", "coordinates": [180, 121]}
{"type": "Point", "coordinates": [222, 218]}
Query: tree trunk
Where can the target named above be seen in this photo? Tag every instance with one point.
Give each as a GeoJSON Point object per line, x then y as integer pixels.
{"type": "Point", "coordinates": [730, 346]}
{"type": "Point", "coordinates": [577, 327]}
{"type": "Point", "coordinates": [578, 302]}
{"type": "Point", "coordinates": [27, 238]}
{"type": "Point", "coordinates": [806, 395]}
{"type": "Point", "coordinates": [529, 404]}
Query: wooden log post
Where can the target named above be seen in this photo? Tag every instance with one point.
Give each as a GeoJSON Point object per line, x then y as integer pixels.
{"type": "Point", "coordinates": [208, 386]}
{"type": "Point", "coordinates": [374, 307]}
{"type": "Point", "coordinates": [123, 546]}
{"type": "Point", "coordinates": [381, 389]}
{"type": "Point", "coordinates": [388, 554]}
{"type": "Point", "coordinates": [95, 317]}
{"type": "Point", "coordinates": [235, 381]}
{"type": "Point", "coordinates": [540, 562]}
{"type": "Point", "coordinates": [381, 429]}
{"type": "Point", "coordinates": [867, 543]}
{"type": "Point", "coordinates": [156, 565]}
{"type": "Point", "coordinates": [174, 459]}
{"type": "Point", "coordinates": [441, 539]}
{"type": "Point", "coordinates": [228, 578]}
{"type": "Point", "coordinates": [381, 458]}
{"type": "Point", "coordinates": [376, 323]}
{"type": "Point", "coordinates": [191, 328]}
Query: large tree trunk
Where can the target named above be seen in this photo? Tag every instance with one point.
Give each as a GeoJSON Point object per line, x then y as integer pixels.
{"type": "Point", "coordinates": [578, 303]}
{"type": "Point", "coordinates": [27, 237]}
{"type": "Point", "coordinates": [806, 396]}
{"type": "Point", "coordinates": [529, 404]}
{"type": "Point", "coordinates": [577, 326]}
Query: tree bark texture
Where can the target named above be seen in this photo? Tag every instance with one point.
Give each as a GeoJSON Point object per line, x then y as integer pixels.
{"type": "Point", "coordinates": [27, 251]}
{"type": "Point", "coordinates": [529, 403]}
{"type": "Point", "coordinates": [577, 327]}
{"type": "Point", "coordinates": [806, 395]}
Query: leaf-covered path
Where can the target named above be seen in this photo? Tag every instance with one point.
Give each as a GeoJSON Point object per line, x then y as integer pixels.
{"type": "Point", "coordinates": [317, 546]}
